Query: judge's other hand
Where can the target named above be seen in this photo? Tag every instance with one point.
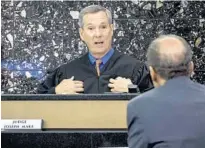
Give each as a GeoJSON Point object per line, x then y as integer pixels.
{"type": "Point", "coordinates": [119, 84]}
{"type": "Point", "coordinates": [69, 86]}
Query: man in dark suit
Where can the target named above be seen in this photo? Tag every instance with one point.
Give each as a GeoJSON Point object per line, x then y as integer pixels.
{"type": "Point", "coordinates": [173, 114]}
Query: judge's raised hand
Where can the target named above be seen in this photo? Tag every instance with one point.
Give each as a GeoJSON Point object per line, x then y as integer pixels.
{"type": "Point", "coordinates": [69, 86]}
{"type": "Point", "coordinates": [119, 84]}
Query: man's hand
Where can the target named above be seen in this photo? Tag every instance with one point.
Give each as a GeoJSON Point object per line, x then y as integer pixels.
{"type": "Point", "coordinates": [119, 84]}
{"type": "Point", "coordinates": [69, 86]}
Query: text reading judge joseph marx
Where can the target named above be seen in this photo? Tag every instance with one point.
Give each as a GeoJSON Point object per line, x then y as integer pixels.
{"type": "Point", "coordinates": [102, 69]}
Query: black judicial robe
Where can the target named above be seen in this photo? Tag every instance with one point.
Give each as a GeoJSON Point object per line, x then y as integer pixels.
{"type": "Point", "coordinates": [118, 65]}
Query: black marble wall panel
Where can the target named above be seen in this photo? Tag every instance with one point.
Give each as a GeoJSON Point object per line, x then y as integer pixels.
{"type": "Point", "coordinates": [64, 140]}
{"type": "Point", "coordinates": [41, 35]}
{"type": "Point", "coordinates": [46, 140]}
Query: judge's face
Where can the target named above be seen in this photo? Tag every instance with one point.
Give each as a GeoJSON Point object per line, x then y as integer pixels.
{"type": "Point", "coordinates": [97, 33]}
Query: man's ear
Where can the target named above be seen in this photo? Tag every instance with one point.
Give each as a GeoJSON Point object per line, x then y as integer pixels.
{"type": "Point", "coordinates": [81, 34]}
{"type": "Point", "coordinates": [191, 68]}
{"type": "Point", "coordinates": [154, 76]}
{"type": "Point", "coordinates": [153, 73]}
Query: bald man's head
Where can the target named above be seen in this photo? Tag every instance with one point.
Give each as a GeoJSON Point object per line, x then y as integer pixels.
{"type": "Point", "coordinates": [169, 56]}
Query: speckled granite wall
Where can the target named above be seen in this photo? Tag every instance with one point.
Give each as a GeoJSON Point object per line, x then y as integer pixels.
{"type": "Point", "coordinates": [41, 35]}
{"type": "Point", "coordinates": [64, 140]}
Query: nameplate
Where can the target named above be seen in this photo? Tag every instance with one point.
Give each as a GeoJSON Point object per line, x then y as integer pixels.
{"type": "Point", "coordinates": [21, 124]}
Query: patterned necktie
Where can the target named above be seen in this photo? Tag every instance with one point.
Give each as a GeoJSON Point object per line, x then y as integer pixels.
{"type": "Point", "coordinates": [97, 66]}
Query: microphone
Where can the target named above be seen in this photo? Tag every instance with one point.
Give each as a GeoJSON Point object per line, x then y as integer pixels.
{"type": "Point", "coordinates": [133, 88]}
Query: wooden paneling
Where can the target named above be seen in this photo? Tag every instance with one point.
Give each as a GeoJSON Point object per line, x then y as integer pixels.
{"type": "Point", "coordinates": [69, 114]}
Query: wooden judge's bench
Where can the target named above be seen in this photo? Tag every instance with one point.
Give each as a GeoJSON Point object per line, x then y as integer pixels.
{"type": "Point", "coordinates": [70, 121]}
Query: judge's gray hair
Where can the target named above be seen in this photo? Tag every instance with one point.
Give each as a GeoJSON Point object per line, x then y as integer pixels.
{"type": "Point", "coordinates": [93, 9]}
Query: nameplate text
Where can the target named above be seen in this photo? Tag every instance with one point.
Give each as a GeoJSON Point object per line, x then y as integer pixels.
{"type": "Point", "coordinates": [21, 124]}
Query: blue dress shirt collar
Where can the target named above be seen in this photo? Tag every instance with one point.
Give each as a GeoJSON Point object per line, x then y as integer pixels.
{"type": "Point", "coordinates": [104, 59]}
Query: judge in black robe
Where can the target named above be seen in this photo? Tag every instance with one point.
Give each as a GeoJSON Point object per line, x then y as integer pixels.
{"type": "Point", "coordinates": [119, 65]}
{"type": "Point", "coordinates": [116, 72]}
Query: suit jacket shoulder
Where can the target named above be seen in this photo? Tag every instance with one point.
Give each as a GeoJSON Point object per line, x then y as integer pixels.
{"type": "Point", "coordinates": [174, 112]}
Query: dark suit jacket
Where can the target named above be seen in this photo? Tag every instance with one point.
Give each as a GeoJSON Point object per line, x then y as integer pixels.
{"type": "Point", "coordinates": [171, 116]}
